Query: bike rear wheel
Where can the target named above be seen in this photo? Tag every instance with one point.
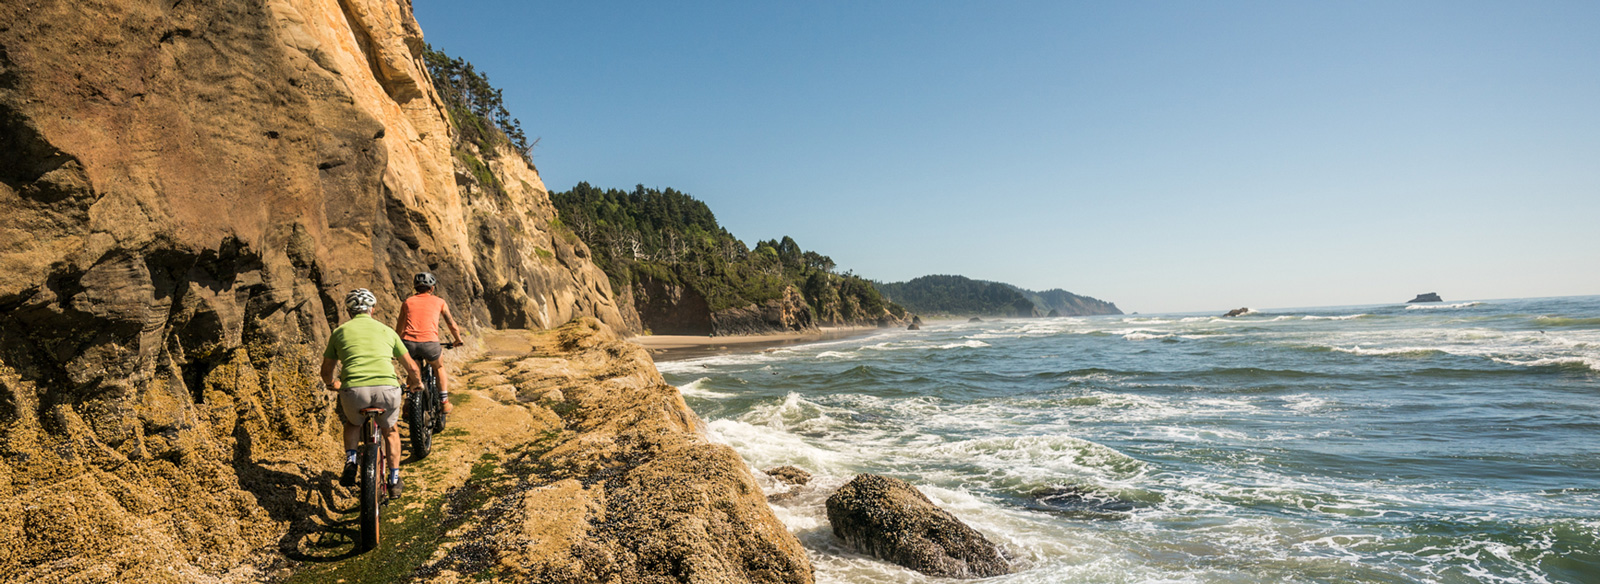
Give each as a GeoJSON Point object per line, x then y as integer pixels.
{"type": "Point", "coordinates": [371, 482]}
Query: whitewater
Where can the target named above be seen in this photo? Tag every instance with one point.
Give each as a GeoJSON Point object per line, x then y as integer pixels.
{"type": "Point", "coordinates": [1440, 443]}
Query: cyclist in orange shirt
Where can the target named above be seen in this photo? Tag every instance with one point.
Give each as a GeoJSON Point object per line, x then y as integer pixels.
{"type": "Point", "coordinates": [419, 328]}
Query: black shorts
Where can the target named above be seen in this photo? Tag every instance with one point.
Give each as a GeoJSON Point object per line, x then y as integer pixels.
{"type": "Point", "coordinates": [424, 351]}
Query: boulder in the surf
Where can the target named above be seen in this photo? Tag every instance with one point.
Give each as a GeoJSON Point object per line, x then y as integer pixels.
{"type": "Point", "coordinates": [914, 327]}
{"type": "Point", "coordinates": [789, 474]}
{"type": "Point", "coordinates": [1429, 297]}
{"type": "Point", "coordinates": [891, 520]}
{"type": "Point", "coordinates": [974, 319]}
{"type": "Point", "coordinates": [916, 320]}
{"type": "Point", "coordinates": [1237, 312]}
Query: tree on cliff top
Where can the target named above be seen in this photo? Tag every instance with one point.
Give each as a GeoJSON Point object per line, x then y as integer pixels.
{"type": "Point", "coordinates": [476, 107]}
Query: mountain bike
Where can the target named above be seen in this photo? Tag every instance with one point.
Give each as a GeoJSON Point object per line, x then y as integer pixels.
{"type": "Point", "coordinates": [374, 463]}
{"type": "Point", "coordinates": [424, 413]}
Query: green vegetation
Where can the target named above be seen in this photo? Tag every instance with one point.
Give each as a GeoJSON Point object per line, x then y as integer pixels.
{"type": "Point", "coordinates": [476, 107]}
{"type": "Point", "coordinates": [669, 237]}
{"type": "Point", "coordinates": [959, 295]}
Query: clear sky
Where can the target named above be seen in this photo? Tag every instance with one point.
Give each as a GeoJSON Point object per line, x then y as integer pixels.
{"type": "Point", "coordinates": [1167, 156]}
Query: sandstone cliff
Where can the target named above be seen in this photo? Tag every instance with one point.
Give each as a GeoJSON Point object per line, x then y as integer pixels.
{"type": "Point", "coordinates": [186, 191]}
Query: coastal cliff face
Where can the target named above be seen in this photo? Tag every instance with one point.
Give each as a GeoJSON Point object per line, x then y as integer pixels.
{"type": "Point", "coordinates": [187, 191]}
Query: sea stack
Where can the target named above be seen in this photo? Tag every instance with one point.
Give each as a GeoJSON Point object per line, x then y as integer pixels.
{"type": "Point", "coordinates": [1429, 297]}
{"type": "Point", "coordinates": [1237, 312]}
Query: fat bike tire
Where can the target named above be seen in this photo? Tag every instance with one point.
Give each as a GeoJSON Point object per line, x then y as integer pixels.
{"type": "Point", "coordinates": [418, 418]}
{"type": "Point", "coordinates": [371, 502]}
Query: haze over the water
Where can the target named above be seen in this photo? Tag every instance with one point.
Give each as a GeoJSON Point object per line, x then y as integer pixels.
{"type": "Point", "coordinates": [1168, 157]}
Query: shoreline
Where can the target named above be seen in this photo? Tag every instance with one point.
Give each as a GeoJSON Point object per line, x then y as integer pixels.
{"type": "Point", "coordinates": [681, 347]}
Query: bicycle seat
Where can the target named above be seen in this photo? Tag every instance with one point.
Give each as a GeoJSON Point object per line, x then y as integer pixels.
{"type": "Point", "coordinates": [373, 410]}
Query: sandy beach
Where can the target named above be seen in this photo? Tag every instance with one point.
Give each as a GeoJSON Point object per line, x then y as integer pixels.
{"type": "Point", "coordinates": [678, 347]}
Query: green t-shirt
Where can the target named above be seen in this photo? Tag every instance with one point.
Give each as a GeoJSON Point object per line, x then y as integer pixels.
{"type": "Point", "coordinates": [366, 347]}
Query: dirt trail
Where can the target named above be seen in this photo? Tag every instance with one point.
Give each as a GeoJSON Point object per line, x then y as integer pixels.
{"type": "Point", "coordinates": [485, 423]}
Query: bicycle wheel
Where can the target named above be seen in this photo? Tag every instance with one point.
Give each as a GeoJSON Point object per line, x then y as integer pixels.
{"type": "Point", "coordinates": [421, 422]}
{"type": "Point", "coordinates": [371, 455]}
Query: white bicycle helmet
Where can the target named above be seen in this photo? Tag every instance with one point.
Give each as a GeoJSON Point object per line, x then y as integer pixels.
{"type": "Point", "coordinates": [360, 301]}
{"type": "Point", "coordinates": [425, 279]}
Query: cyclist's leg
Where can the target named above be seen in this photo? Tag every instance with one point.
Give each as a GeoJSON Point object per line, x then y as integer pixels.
{"type": "Point", "coordinates": [444, 386]}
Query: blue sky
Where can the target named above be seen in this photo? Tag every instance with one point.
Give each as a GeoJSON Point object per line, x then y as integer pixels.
{"type": "Point", "coordinates": [1167, 156]}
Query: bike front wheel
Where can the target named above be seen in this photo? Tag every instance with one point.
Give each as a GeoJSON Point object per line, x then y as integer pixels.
{"type": "Point", "coordinates": [370, 500]}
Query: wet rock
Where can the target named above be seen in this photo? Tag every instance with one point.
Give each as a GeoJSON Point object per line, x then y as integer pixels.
{"type": "Point", "coordinates": [1079, 502]}
{"type": "Point", "coordinates": [1429, 297]}
{"type": "Point", "coordinates": [1241, 311]}
{"type": "Point", "coordinates": [974, 319]}
{"type": "Point", "coordinates": [790, 475]}
{"type": "Point", "coordinates": [916, 320]}
{"type": "Point", "coordinates": [914, 327]}
{"type": "Point", "coordinates": [889, 519]}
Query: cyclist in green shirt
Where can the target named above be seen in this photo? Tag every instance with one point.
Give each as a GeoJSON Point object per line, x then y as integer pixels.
{"type": "Point", "coordinates": [367, 348]}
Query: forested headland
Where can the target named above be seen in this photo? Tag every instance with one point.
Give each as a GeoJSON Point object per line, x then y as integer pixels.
{"type": "Point", "coordinates": [963, 296]}
{"type": "Point", "coordinates": [686, 274]}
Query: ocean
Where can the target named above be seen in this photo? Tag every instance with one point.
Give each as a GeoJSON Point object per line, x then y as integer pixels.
{"type": "Point", "coordinates": [1451, 442]}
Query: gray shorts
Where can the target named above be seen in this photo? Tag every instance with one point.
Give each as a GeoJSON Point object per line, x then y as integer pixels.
{"type": "Point", "coordinates": [353, 399]}
{"type": "Point", "coordinates": [424, 350]}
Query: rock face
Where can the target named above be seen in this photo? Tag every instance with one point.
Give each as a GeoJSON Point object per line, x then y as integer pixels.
{"type": "Point", "coordinates": [1237, 312]}
{"type": "Point", "coordinates": [187, 189]}
{"type": "Point", "coordinates": [889, 519]}
{"type": "Point", "coordinates": [789, 313]}
{"type": "Point", "coordinates": [1429, 297]}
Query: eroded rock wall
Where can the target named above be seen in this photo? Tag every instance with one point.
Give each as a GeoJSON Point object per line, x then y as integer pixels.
{"type": "Point", "coordinates": [186, 190]}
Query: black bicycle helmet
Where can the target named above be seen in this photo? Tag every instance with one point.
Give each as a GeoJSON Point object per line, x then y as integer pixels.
{"type": "Point", "coordinates": [425, 279]}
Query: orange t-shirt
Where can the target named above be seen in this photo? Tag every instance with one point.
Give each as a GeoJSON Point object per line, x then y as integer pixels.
{"type": "Point", "coordinates": [420, 318]}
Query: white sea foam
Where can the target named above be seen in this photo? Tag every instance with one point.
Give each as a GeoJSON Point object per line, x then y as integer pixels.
{"type": "Point", "coordinates": [1390, 351]}
{"type": "Point", "coordinates": [697, 389]}
{"type": "Point", "coordinates": [837, 355]}
{"type": "Point", "coordinates": [1144, 336]}
{"type": "Point", "coordinates": [1345, 317]}
{"type": "Point", "coordinates": [1590, 363]}
{"type": "Point", "coordinates": [1443, 306]}
{"type": "Point", "coordinates": [969, 344]}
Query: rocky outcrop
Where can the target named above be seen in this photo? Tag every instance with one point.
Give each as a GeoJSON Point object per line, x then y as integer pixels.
{"type": "Point", "coordinates": [1429, 297]}
{"type": "Point", "coordinates": [1053, 313]}
{"type": "Point", "coordinates": [186, 190]}
{"type": "Point", "coordinates": [629, 491]}
{"type": "Point", "coordinates": [786, 313]}
{"type": "Point", "coordinates": [1237, 312]}
{"type": "Point", "coordinates": [889, 519]}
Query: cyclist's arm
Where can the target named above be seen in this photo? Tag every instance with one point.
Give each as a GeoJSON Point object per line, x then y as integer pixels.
{"type": "Point", "coordinates": [328, 363]}
{"type": "Point", "coordinates": [413, 375]}
{"type": "Point", "coordinates": [444, 311]}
